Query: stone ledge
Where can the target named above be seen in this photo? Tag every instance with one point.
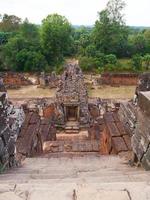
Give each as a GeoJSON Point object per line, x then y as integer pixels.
{"type": "Point", "coordinates": [144, 102]}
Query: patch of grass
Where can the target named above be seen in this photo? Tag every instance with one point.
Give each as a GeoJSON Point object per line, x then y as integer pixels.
{"type": "Point", "coordinates": [108, 92]}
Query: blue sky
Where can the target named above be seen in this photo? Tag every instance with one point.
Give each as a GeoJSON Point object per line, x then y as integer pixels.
{"type": "Point", "coordinates": [78, 12]}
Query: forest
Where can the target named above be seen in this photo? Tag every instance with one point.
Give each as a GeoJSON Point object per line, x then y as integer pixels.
{"type": "Point", "coordinates": [108, 45]}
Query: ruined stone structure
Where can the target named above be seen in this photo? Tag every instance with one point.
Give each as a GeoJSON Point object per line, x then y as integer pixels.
{"type": "Point", "coordinates": [48, 80]}
{"type": "Point", "coordinates": [11, 119]}
{"type": "Point", "coordinates": [14, 80]}
{"type": "Point", "coordinates": [136, 120]}
{"type": "Point", "coordinates": [34, 132]}
{"type": "Point", "coordinates": [74, 123]}
{"type": "Point", "coordinates": [117, 79]}
{"type": "Point", "coordinates": [144, 83]}
{"type": "Point", "coordinates": [72, 97]}
{"type": "Point", "coordinates": [83, 124]}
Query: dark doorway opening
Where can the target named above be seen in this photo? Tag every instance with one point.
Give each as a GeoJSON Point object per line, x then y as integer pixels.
{"type": "Point", "coordinates": [72, 113]}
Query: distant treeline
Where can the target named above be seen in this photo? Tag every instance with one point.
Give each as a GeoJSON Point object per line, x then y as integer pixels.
{"type": "Point", "coordinates": [29, 47]}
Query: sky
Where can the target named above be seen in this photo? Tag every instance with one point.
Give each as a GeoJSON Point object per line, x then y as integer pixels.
{"type": "Point", "coordinates": [78, 12]}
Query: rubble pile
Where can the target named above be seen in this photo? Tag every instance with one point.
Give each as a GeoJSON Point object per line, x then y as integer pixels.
{"type": "Point", "coordinates": [48, 80]}
{"type": "Point", "coordinates": [11, 119]}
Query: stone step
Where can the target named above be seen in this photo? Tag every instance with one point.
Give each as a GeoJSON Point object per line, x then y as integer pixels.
{"type": "Point", "coordinates": [95, 191]}
{"type": "Point", "coordinates": [71, 146]}
{"type": "Point", "coordinates": [71, 131]}
{"type": "Point", "coordinates": [73, 136]}
{"type": "Point", "coordinates": [71, 128]}
{"type": "Point", "coordinates": [90, 177]}
{"type": "Point", "coordinates": [76, 173]}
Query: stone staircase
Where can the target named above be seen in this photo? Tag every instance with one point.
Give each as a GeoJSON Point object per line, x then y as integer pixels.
{"type": "Point", "coordinates": [72, 127]}
{"type": "Point", "coordinates": [71, 146]}
{"type": "Point", "coordinates": [77, 178]}
{"type": "Point", "coordinates": [72, 143]}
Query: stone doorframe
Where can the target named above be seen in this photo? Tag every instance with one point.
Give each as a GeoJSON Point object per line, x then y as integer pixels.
{"type": "Point", "coordinates": [72, 105]}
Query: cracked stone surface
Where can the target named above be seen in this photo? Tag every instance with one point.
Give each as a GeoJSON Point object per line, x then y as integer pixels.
{"type": "Point", "coordinates": [89, 177]}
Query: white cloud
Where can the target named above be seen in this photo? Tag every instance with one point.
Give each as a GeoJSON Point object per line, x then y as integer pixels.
{"type": "Point", "coordinates": [77, 11]}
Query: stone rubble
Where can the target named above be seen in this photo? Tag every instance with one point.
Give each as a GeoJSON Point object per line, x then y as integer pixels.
{"type": "Point", "coordinates": [14, 80]}
{"type": "Point", "coordinates": [48, 80]}
{"type": "Point", "coordinates": [11, 119]}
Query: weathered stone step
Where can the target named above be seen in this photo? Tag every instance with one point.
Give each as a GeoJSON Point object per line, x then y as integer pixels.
{"type": "Point", "coordinates": [42, 178]}
{"type": "Point", "coordinates": [96, 191]}
{"type": "Point", "coordinates": [82, 135]}
{"type": "Point", "coordinates": [71, 128]}
{"type": "Point", "coordinates": [71, 146]}
{"type": "Point", "coordinates": [68, 178]}
{"type": "Point", "coordinates": [71, 131]}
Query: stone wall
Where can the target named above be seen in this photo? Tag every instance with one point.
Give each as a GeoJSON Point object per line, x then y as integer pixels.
{"type": "Point", "coordinates": [141, 137]}
{"type": "Point", "coordinates": [144, 83]}
{"type": "Point", "coordinates": [34, 132]}
{"type": "Point", "coordinates": [14, 80]}
{"type": "Point", "coordinates": [114, 138]}
{"type": "Point", "coordinates": [117, 79]}
{"type": "Point", "coordinates": [135, 116]}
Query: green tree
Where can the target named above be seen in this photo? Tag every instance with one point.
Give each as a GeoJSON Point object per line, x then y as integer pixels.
{"type": "Point", "coordinates": [55, 37]}
{"type": "Point", "coordinates": [139, 43]}
{"type": "Point", "coordinates": [82, 38]}
{"type": "Point", "coordinates": [110, 33]}
{"type": "Point", "coordinates": [23, 52]}
{"type": "Point", "coordinates": [29, 31]}
{"type": "Point", "coordinates": [146, 60]}
{"type": "Point", "coordinates": [111, 59]}
{"type": "Point", "coordinates": [88, 63]}
{"type": "Point", "coordinates": [9, 23]}
{"type": "Point", "coordinates": [137, 62]}
{"type": "Point", "coordinates": [147, 39]}
{"type": "Point", "coordinates": [30, 61]}
{"type": "Point", "coordinates": [4, 36]}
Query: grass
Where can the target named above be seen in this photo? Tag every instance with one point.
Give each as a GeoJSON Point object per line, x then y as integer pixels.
{"type": "Point", "coordinates": [106, 92]}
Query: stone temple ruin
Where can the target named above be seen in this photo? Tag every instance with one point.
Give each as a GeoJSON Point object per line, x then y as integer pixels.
{"type": "Point", "coordinates": [48, 80]}
{"type": "Point", "coordinates": [72, 98]}
{"type": "Point", "coordinates": [74, 123]}
{"type": "Point", "coordinates": [14, 80]}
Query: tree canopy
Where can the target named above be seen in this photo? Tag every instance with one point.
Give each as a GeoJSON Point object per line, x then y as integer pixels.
{"type": "Point", "coordinates": [9, 23]}
{"type": "Point", "coordinates": [110, 33]}
{"type": "Point", "coordinates": [55, 37]}
{"type": "Point", "coordinates": [25, 46]}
